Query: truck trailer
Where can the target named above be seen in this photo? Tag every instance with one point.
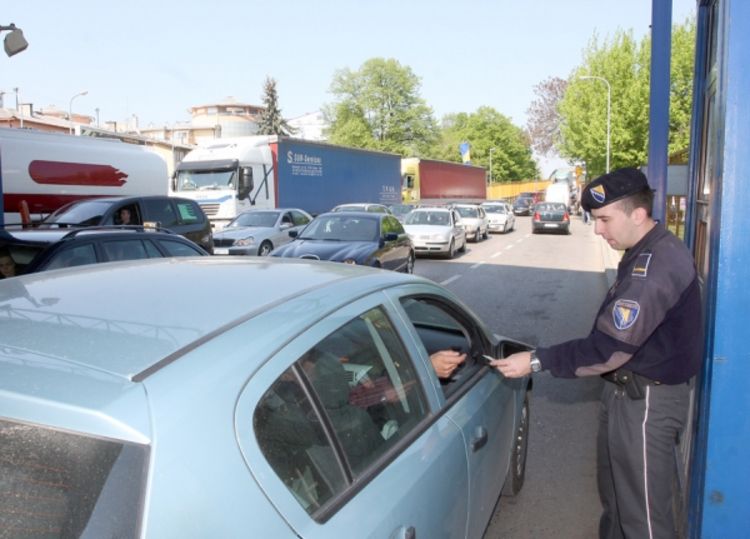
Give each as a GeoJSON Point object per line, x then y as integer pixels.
{"type": "Point", "coordinates": [426, 181]}
{"type": "Point", "coordinates": [40, 172]}
{"type": "Point", "coordinates": [229, 176]}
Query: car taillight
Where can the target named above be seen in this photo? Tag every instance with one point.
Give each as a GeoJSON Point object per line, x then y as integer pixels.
{"type": "Point", "coordinates": [537, 217]}
{"type": "Point", "coordinates": [566, 217]}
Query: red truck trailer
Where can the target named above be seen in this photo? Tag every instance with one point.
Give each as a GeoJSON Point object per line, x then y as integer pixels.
{"type": "Point", "coordinates": [426, 181]}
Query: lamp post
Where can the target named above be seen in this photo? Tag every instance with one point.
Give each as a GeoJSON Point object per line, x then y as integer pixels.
{"type": "Point", "coordinates": [609, 106]}
{"type": "Point", "coordinates": [70, 109]}
{"type": "Point", "coordinates": [491, 150]}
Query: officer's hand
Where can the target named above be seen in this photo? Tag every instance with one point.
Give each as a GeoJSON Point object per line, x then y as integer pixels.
{"type": "Point", "coordinates": [515, 365]}
{"type": "Point", "coordinates": [445, 362]}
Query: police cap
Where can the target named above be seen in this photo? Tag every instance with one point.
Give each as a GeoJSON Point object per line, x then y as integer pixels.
{"type": "Point", "coordinates": [613, 186]}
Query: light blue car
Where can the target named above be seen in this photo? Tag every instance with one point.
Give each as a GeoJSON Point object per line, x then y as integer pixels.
{"type": "Point", "coordinates": [249, 397]}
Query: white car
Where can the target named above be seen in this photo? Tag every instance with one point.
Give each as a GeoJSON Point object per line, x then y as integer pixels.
{"type": "Point", "coordinates": [258, 232]}
{"type": "Point", "coordinates": [436, 231]}
{"type": "Point", "coordinates": [474, 220]}
{"type": "Point", "coordinates": [500, 216]}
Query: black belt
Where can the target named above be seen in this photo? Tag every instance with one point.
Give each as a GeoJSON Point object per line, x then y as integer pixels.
{"type": "Point", "coordinates": [633, 383]}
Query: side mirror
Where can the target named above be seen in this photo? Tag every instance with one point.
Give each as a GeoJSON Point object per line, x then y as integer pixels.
{"type": "Point", "coordinates": [391, 236]}
{"type": "Point", "coordinates": [246, 183]}
{"type": "Point", "coordinates": [293, 233]}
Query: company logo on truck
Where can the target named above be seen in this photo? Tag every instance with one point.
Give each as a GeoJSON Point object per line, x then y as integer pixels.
{"type": "Point", "coordinates": [303, 164]}
{"type": "Point", "coordinates": [63, 173]}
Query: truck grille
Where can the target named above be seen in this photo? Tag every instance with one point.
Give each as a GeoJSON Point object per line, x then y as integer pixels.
{"type": "Point", "coordinates": [210, 209]}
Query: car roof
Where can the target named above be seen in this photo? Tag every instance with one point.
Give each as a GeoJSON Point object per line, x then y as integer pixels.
{"type": "Point", "coordinates": [53, 235]}
{"type": "Point", "coordinates": [127, 319]}
{"type": "Point", "coordinates": [351, 214]}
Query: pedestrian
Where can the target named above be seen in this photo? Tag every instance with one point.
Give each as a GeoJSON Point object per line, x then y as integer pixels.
{"type": "Point", "coordinates": [647, 344]}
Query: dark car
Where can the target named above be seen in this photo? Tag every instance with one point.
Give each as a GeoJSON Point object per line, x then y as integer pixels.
{"type": "Point", "coordinates": [362, 238]}
{"type": "Point", "coordinates": [523, 205]}
{"type": "Point", "coordinates": [550, 216]}
{"type": "Point", "coordinates": [180, 215]}
{"type": "Point", "coordinates": [34, 250]}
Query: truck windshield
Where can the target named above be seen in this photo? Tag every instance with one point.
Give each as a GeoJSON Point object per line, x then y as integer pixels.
{"type": "Point", "coordinates": [85, 212]}
{"type": "Point", "coordinates": [199, 180]}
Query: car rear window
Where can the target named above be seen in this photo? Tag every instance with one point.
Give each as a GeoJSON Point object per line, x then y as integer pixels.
{"type": "Point", "coordinates": [58, 484]}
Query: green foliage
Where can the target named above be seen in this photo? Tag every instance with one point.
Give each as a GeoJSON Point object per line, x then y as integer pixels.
{"type": "Point", "coordinates": [485, 129]}
{"type": "Point", "coordinates": [271, 122]}
{"type": "Point", "coordinates": [379, 107]}
{"type": "Point", "coordinates": [625, 64]}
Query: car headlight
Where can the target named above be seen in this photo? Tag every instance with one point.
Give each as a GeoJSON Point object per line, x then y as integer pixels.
{"type": "Point", "coordinates": [438, 237]}
{"type": "Point", "coordinates": [350, 261]}
{"type": "Point", "coordinates": [244, 242]}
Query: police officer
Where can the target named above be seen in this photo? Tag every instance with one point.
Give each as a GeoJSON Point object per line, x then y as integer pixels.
{"type": "Point", "coordinates": [647, 344]}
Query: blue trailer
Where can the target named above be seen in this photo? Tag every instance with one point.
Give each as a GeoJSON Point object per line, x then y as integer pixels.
{"type": "Point", "coordinates": [229, 176]}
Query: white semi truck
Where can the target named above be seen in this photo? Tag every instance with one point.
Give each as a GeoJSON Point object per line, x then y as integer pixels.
{"type": "Point", "coordinates": [40, 172]}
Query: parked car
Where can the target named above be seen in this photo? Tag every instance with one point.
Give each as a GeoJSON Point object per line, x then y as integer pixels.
{"type": "Point", "coordinates": [549, 216]}
{"type": "Point", "coordinates": [500, 216]}
{"type": "Point", "coordinates": [180, 215]}
{"type": "Point", "coordinates": [365, 239]}
{"type": "Point", "coordinates": [365, 206]}
{"type": "Point", "coordinates": [33, 250]}
{"type": "Point", "coordinates": [475, 221]}
{"type": "Point", "coordinates": [436, 231]}
{"type": "Point", "coordinates": [258, 232]}
{"type": "Point", "coordinates": [400, 211]}
{"type": "Point", "coordinates": [287, 399]}
{"type": "Point", "coordinates": [523, 205]}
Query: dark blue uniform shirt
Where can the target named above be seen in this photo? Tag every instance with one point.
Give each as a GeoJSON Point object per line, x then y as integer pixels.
{"type": "Point", "coordinates": [653, 313]}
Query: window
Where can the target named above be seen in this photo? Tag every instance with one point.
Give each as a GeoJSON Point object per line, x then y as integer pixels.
{"type": "Point", "coordinates": [189, 212]}
{"type": "Point", "coordinates": [74, 256]}
{"type": "Point", "coordinates": [159, 210]}
{"type": "Point", "coordinates": [124, 250]}
{"type": "Point", "coordinates": [299, 218]}
{"type": "Point", "coordinates": [365, 395]}
{"type": "Point", "coordinates": [177, 248]}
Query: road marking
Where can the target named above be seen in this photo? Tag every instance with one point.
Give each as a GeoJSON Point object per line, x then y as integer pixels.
{"type": "Point", "coordinates": [519, 240]}
{"type": "Point", "coordinates": [496, 254]}
{"type": "Point", "coordinates": [509, 246]}
{"type": "Point", "coordinates": [450, 280]}
{"type": "Point", "coordinates": [475, 266]}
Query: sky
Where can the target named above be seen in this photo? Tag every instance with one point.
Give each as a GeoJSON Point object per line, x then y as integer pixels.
{"type": "Point", "coordinates": [156, 59]}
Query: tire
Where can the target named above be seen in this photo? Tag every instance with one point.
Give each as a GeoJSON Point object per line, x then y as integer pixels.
{"type": "Point", "coordinates": [463, 247]}
{"type": "Point", "coordinates": [477, 236]}
{"type": "Point", "coordinates": [265, 248]}
{"type": "Point", "coordinates": [410, 264]}
{"type": "Point", "coordinates": [517, 468]}
{"type": "Point", "coordinates": [452, 249]}
{"type": "Point", "coordinates": [486, 234]}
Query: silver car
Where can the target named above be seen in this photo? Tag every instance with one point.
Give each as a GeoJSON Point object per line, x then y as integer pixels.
{"type": "Point", "coordinates": [500, 216]}
{"type": "Point", "coordinates": [436, 231]}
{"type": "Point", "coordinates": [474, 220]}
{"type": "Point", "coordinates": [258, 232]}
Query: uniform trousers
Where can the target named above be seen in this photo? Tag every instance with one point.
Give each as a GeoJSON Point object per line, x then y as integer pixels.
{"type": "Point", "coordinates": [636, 460]}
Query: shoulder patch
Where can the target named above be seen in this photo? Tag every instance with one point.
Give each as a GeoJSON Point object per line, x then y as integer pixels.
{"type": "Point", "coordinates": [625, 313]}
{"type": "Point", "coordinates": [640, 269]}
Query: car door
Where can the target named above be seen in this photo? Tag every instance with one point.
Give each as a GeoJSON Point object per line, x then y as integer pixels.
{"type": "Point", "coordinates": [476, 398]}
{"type": "Point", "coordinates": [459, 233]}
{"type": "Point", "coordinates": [345, 442]}
{"type": "Point", "coordinates": [395, 252]}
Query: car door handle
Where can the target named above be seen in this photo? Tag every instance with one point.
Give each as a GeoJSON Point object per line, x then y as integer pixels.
{"type": "Point", "coordinates": [404, 532]}
{"type": "Point", "coordinates": [480, 438]}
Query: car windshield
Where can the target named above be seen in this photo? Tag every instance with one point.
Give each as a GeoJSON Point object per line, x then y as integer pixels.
{"type": "Point", "coordinates": [401, 209]}
{"type": "Point", "coordinates": [255, 218]}
{"type": "Point", "coordinates": [495, 208]}
{"type": "Point", "coordinates": [341, 228]}
{"type": "Point", "coordinates": [435, 218]}
{"type": "Point", "coordinates": [86, 212]}
{"type": "Point", "coordinates": [467, 212]}
{"type": "Point", "coordinates": [203, 180]}
{"type": "Point", "coordinates": [550, 206]}
{"type": "Point", "coordinates": [523, 202]}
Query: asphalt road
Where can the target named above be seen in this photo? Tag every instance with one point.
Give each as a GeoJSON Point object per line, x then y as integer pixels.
{"type": "Point", "coordinates": [541, 289]}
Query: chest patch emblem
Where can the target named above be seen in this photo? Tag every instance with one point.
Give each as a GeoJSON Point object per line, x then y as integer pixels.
{"type": "Point", "coordinates": [625, 313]}
{"type": "Point", "coordinates": [641, 265]}
{"type": "Point", "coordinates": [598, 193]}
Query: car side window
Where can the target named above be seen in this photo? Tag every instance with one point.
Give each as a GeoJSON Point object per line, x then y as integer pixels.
{"type": "Point", "coordinates": [365, 395]}
{"type": "Point", "coordinates": [159, 210]}
{"type": "Point", "coordinates": [124, 249]}
{"type": "Point", "coordinates": [73, 256]}
{"type": "Point", "coordinates": [299, 218]}
{"type": "Point", "coordinates": [189, 212]}
{"type": "Point", "coordinates": [443, 327]}
{"type": "Point", "coordinates": [177, 248]}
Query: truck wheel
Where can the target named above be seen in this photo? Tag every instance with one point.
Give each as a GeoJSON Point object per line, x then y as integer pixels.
{"type": "Point", "coordinates": [517, 470]}
{"type": "Point", "coordinates": [265, 248]}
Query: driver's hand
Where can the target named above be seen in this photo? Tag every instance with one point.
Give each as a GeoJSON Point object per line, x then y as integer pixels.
{"type": "Point", "coordinates": [446, 361]}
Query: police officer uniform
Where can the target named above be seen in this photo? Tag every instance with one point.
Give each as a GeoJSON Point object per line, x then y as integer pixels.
{"type": "Point", "coordinates": [647, 344]}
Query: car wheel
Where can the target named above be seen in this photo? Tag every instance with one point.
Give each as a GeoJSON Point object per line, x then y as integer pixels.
{"type": "Point", "coordinates": [486, 234]}
{"type": "Point", "coordinates": [410, 264]}
{"type": "Point", "coordinates": [477, 235]}
{"type": "Point", "coordinates": [452, 248]}
{"type": "Point", "coordinates": [265, 248]}
{"type": "Point", "coordinates": [517, 470]}
{"type": "Point", "coordinates": [463, 246]}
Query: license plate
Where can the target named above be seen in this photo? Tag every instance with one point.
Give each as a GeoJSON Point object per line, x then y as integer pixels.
{"type": "Point", "coordinates": [550, 225]}
{"type": "Point", "coordinates": [220, 251]}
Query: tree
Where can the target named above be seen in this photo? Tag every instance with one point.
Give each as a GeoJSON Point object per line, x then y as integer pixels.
{"type": "Point", "coordinates": [485, 129]}
{"type": "Point", "coordinates": [625, 64]}
{"type": "Point", "coordinates": [271, 121]}
{"type": "Point", "coordinates": [544, 117]}
{"type": "Point", "coordinates": [379, 107]}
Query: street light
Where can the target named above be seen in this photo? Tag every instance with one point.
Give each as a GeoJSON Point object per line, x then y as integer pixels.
{"type": "Point", "coordinates": [491, 150]}
{"type": "Point", "coordinates": [609, 106]}
{"type": "Point", "coordinates": [70, 109]}
{"type": "Point", "coordinates": [14, 41]}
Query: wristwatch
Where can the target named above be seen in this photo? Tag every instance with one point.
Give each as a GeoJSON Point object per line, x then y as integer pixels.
{"type": "Point", "coordinates": [536, 365]}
